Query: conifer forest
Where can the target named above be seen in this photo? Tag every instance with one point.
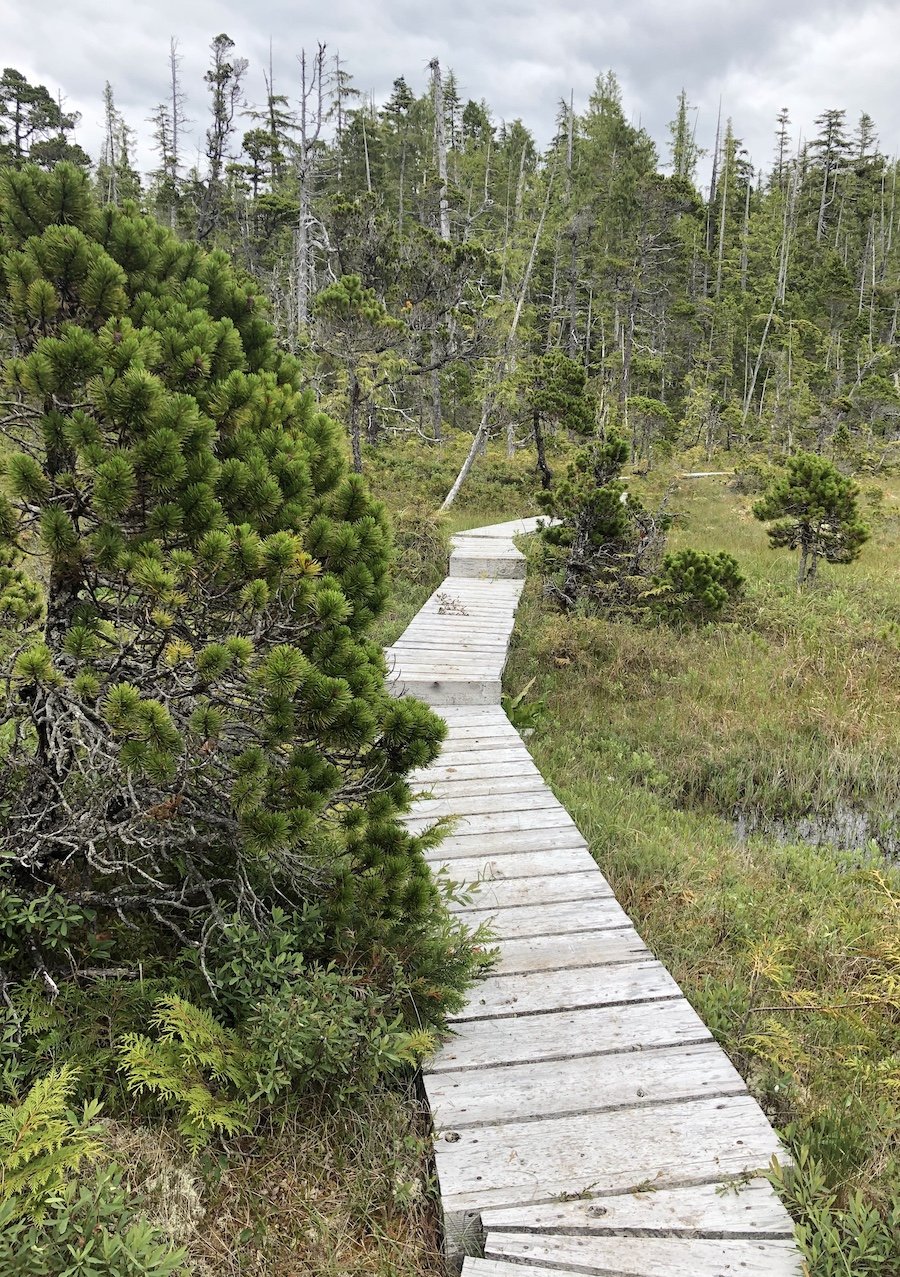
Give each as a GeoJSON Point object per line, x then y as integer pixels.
{"type": "Point", "coordinates": [246, 398]}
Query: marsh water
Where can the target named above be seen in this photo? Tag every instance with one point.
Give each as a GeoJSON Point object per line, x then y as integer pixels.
{"type": "Point", "coordinates": [845, 828]}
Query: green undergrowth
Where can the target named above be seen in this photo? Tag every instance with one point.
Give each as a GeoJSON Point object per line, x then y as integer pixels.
{"type": "Point", "coordinates": [334, 1189]}
{"type": "Point", "coordinates": [654, 737]}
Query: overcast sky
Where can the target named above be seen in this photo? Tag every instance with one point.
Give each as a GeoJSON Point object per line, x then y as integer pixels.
{"type": "Point", "coordinates": [523, 56]}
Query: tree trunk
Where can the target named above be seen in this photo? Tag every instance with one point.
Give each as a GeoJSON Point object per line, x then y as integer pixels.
{"type": "Point", "coordinates": [440, 144]}
{"type": "Point", "coordinates": [437, 407]}
{"type": "Point", "coordinates": [546, 472]}
{"type": "Point", "coordinates": [802, 566]}
{"type": "Point", "coordinates": [355, 403]}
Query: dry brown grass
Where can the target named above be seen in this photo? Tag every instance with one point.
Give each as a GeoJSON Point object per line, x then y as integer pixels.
{"type": "Point", "coordinates": [325, 1194]}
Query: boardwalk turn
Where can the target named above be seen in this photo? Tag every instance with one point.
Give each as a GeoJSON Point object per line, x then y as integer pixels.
{"type": "Point", "coordinates": [585, 1121]}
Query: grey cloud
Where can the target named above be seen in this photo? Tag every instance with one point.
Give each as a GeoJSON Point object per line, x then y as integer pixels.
{"type": "Point", "coordinates": [520, 55]}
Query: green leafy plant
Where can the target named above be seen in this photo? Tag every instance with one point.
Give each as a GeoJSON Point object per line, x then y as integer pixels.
{"type": "Point", "coordinates": [196, 1066]}
{"type": "Point", "coordinates": [524, 715]}
{"type": "Point", "coordinates": [42, 1141]}
{"type": "Point", "coordinates": [837, 1240]}
{"type": "Point", "coordinates": [89, 1228]}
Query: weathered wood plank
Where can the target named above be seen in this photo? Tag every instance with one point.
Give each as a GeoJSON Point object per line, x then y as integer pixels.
{"type": "Point", "coordinates": [563, 953]}
{"type": "Point", "coordinates": [504, 787]}
{"type": "Point", "coordinates": [530, 819]}
{"type": "Point", "coordinates": [649, 1256]}
{"type": "Point", "coordinates": [455, 666]}
{"type": "Point", "coordinates": [547, 918]}
{"type": "Point", "coordinates": [493, 737]}
{"type": "Point", "coordinates": [500, 752]}
{"type": "Point", "coordinates": [667, 1144]}
{"type": "Point", "coordinates": [498, 1268]}
{"type": "Point", "coordinates": [435, 649]}
{"type": "Point", "coordinates": [746, 1210]}
{"type": "Point", "coordinates": [452, 690]}
{"type": "Point", "coordinates": [488, 711]}
{"type": "Point", "coordinates": [501, 842]}
{"type": "Point", "coordinates": [474, 731]}
{"type": "Point", "coordinates": [515, 765]}
{"type": "Point", "coordinates": [581, 889]}
{"type": "Point", "coordinates": [493, 874]}
{"type": "Point", "coordinates": [517, 995]}
{"type": "Point", "coordinates": [586, 1084]}
{"type": "Point", "coordinates": [537, 799]}
{"type": "Point", "coordinates": [558, 1035]}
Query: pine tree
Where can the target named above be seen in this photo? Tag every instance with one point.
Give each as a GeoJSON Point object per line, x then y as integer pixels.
{"type": "Point", "coordinates": [814, 508]}
{"type": "Point", "coordinates": [224, 80]}
{"type": "Point", "coordinates": [199, 725]}
{"type": "Point", "coordinates": [33, 124]}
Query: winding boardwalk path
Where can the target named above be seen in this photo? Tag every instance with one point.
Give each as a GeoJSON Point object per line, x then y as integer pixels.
{"type": "Point", "coordinates": [585, 1120]}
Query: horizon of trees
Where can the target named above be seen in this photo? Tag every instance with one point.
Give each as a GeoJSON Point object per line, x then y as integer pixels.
{"type": "Point", "coordinates": [419, 256]}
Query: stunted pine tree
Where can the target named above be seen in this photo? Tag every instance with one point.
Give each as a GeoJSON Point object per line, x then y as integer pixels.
{"type": "Point", "coordinates": [813, 508]}
{"type": "Point", "coordinates": [197, 724]}
{"type": "Point", "coordinates": [602, 543]}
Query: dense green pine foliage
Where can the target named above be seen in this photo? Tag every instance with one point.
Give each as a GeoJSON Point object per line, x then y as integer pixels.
{"type": "Point", "coordinates": [813, 508]}
{"type": "Point", "coordinates": [199, 753]}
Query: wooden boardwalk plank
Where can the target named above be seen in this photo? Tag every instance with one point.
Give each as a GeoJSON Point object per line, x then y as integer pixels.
{"type": "Point", "coordinates": [547, 918]}
{"type": "Point", "coordinates": [645, 1256]}
{"type": "Point", "coordinates": [562, 953]}
{"type": "Point", "coordinates": [512, 766]}
{"type": "Point", "coordinates": [561, 1035]}
{"type": "Point", "coordinates": [515, 995]}
{"type": "Point", "coordinates": [585, 1084]}
{"type": "Point", "coordinates": [518, 1162]}
{"type": "Point", "coordinates": [504, 841]}
{"type": "Point", "coordinates": [491, 872]}
{"type": "Point", "coordinates": [747, 1210]}
{"type": "Point", "coordinates": [529, 819]}
{"type": "Point", "coordinates": [504, 788]}
{"type": "Point", "coordinates": [485, 804]}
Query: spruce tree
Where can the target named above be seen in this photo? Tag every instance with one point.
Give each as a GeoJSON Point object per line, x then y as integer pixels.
{"type": "Point", "coordinates": [196, 725]}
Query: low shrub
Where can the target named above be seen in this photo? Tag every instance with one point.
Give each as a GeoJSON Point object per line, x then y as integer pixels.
{"type": "Point", "coordinates": [695, 586]}
{"type": "Point", "coordinates": [87, 1229]}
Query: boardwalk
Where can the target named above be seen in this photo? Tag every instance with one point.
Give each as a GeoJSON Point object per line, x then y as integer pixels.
{"type": "Point", "coordinates": [585, 1121]}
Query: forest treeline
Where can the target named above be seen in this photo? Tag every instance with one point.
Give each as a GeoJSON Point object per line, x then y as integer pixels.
{"type": "Point", "coordinates": [423, 259]}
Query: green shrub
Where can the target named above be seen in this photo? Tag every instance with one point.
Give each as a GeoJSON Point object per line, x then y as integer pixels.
{"type": "Point", "coordinates": [87, 1229]}
{"type": "Point", "coordinates": [837, 1240]}
{"type": "Point", "coordinates": [696, 586]}
{"type": "Point", "coordinates": [199, 724]}
{"type": "Point", "coordinates": [320, 1029]}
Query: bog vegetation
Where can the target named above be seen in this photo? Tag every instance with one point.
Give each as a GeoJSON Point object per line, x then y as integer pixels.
{"type": "Point", "coordinates": [244, 403]}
